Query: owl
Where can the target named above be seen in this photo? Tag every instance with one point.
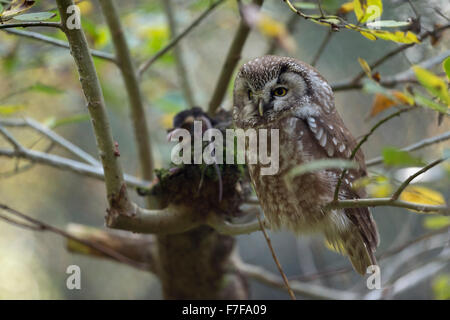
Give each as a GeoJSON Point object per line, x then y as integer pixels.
{"type": "Point", "coordinates": [272, 92]}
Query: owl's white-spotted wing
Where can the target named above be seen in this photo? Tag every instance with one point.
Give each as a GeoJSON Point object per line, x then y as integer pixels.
{"type": "Point", "coordinates": [336, 140]}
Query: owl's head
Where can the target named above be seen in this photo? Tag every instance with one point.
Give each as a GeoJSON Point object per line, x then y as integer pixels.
{"type": "Point", "coordinates": [270, 85]}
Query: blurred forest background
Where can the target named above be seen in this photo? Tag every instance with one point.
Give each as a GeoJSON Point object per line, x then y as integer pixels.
{"type": "Point", "coordinates": [40, 81]}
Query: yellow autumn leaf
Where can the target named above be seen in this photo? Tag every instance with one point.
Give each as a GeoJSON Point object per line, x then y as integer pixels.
{"type": "Point", "coordinates": [381, 103]}
{"type": "Point", "coordinates": [379, 190]}
{"type": "Point", "coordinates": [435, 85]}
{"type": "Point", "coordinates": [365, 66]}
{"type": "Point", "coordinates": [367, 10]}
{"type": "Point", "coordinates": [403, 97]}
{"type": "Point", "coordinates": [368, 35]}
{"type": "Point", "coordinates": [346, 7]}
{"type": "Point", "coordinates": [422, 195]}
{"type": "Point", "coordinates": [397, 36]}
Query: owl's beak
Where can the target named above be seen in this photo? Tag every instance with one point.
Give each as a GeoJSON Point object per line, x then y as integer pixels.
{"type": "Point", "coordinates": [261, 107]}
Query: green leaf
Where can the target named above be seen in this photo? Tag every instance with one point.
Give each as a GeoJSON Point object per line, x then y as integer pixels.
{"type": "Point", "coordinates": [305, 5]}
{"type": "Point", "coordinates": [388, 24]}
{"type": "Point", "coordinates": [428, 103]}
{"type": "Point", "coordinates": [446, 66]}
{"type": "Point", "coordinates": [40, 87]}
{"type": "Point", "coordinates": [435, 85]}
{"type": "Point", "coordinates": [367, 10]}
{"type": "Point", "coordinates": [321, 165]}
{"type": "Point", "coordinates": [436, 222]}
{"type": "Point", "coordinates": [52, 123]}
{"type": "Point", "coordinates": [396, 157]}
{"type": "Point", "coordinates": [10, 109]}
{"type": "Point", "coordinates": [35, 16]}
{"type": "Point", "coordinates": [441, 287]}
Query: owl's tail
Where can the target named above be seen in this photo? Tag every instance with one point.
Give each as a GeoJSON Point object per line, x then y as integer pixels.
{"type": "Point", "coordinates": [359, 241]}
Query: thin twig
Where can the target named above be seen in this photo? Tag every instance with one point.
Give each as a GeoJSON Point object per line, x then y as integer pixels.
{"type": "Point", "coordinates": [179, 59]}
{"type": "Point", "coordinates": [322, 47]}
{"type": "Point", "coordinates": [383, 202]}
{"type": "Point", "coordinates": [69, 165]}
{"type": "Point", "coordinates": [31, 24]}
{"type": "Point", "coordinates": [52, 136]}
{"type": "Point", "coordinates": [398, 50]}
{"type": "Point", "coordinates": [413, 147]}
{"type": "Point", "coordinates": [231, 60]}
{"type": "Point", "coordinates": [38, 225]}
{"type": "Point", "coordinates": [130, 78]}
{"type": "Point", "coordinates": [280, 269]}
{"type": "Point", "coordinates": [59, 43]}
{"type": "Point", "coordinates": [412, 177]}
{"type": "Point", "coordinates": [145, 65]}
{"type": "Point", "coordinates": [9, 137]}
{"type": "Point", "coordinates": [363, 140]}
{"type": "Point", "coordinates": [115, 186]}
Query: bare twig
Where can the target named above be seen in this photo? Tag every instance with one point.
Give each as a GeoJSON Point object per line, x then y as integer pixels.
{"type": "Point", "coordinates": [115, 186]}
{"type": "Point", "coordinates": [383, 202]}
{"type": "Point", "coordinates": [179, 59]}
{"type": "Point", "coordinates": [350, 84]}
{"type": "Point", "coordinates": [363, 140]}
{"type": "Point", "coordinates": [145, 65]}
{"type": "Point", "coordinates": [322, 47]}
{"type": "Point", "coordinates": [69, 165]}
{"type": "Point", "coordinates": [224, 227]}
{"type": "Point", "coordinates": [137, 247]}
{"type": "Point", "coordinates": [274, 256]}
{"type": "Point", "coordinates": [130, 79]}
{"type": "Point", "coordinates": [31, 24]}
{"type": "Point", "coordinates": [16, 145]}
{"type": "Point", "coordinates": [58, 43]}
{"type": "Point", "coordinates": [37, 225]}
{"type": "Point", "coordinates": [231, 60]}
{"type": "Point", "coordinates": [407, 76]}
{"type": "Point", "coordinates": [412, 177]}
{"type": "Point", "coordinates": [415, 146]}
{"type": "Point", "coordinates": [52, 136]}
{"type": "Point", "coordinates": [304, 289]}
{"type": "Point", "coordinates": [290, 26]}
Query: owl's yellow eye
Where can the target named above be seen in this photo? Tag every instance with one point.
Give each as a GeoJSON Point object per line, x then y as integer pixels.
{"type": "Point", "coordinates": [250, 94]}
{"type": "Point", "coordinates": [280, 92]}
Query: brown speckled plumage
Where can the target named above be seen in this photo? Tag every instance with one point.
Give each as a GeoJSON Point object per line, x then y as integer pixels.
{"type": "Point", "coordinates": [309, 128]}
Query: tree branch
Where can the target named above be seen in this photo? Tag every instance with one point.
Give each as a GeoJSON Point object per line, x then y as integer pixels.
{"type": "Point", "coordinates": [31, 24]}
{"type": "Point", "coordinates": [52, 136]}
{"type": "Point", "coordinates": [303, 289]}
{"type": "Point", "coordinates": [130, 79]}
{"type": "Point", "coordinates": [145, 65]}
{"type": "Point", "coordinates": [416, 146]}
{"type": "Point", "coordinates": [363, 140]}
{"type": "Point", "coordinates": [138, 248]}
{"type": "Point", "coordinates": [412, 177]}
{"type": "Point", "coordinates": [179, 61]}
{"type": "Point", "coordinates": [37, 225]}
{"type": "Point", "coordinates": [231, 60]}
{"type": "Point", "coordinates": [115, 186]}
{"type": "Point", "coordinates": [355, 83]}
{"type": "Point", "coordinates": [58, 43]}
{"type": "Point", "coordinates": [69, 165]}
{"type": "Point", "coordinates": [383, 202]}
